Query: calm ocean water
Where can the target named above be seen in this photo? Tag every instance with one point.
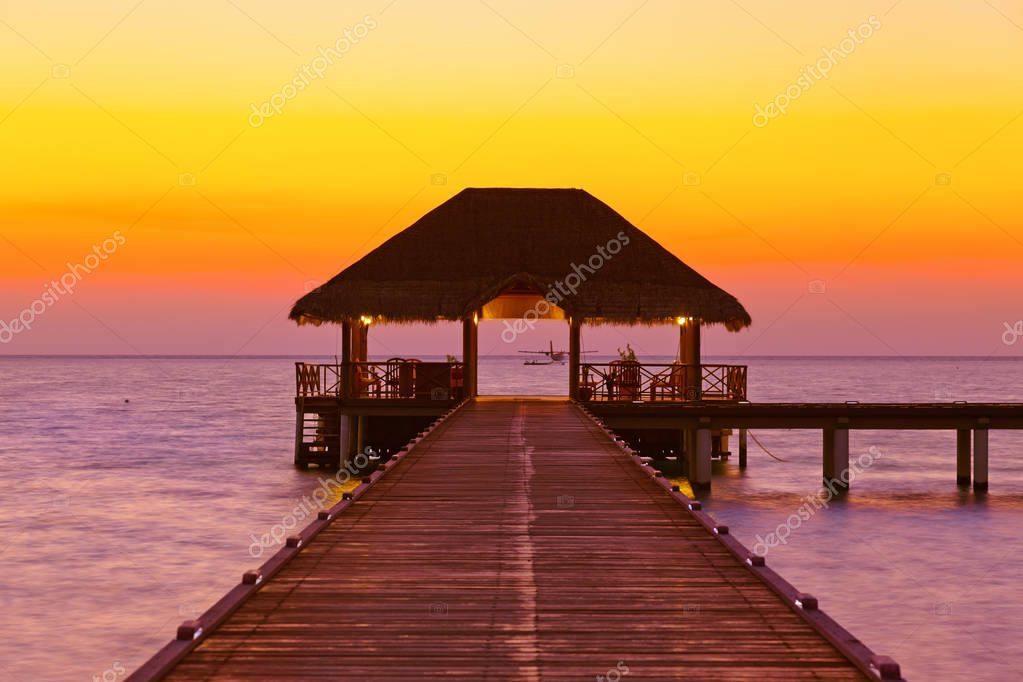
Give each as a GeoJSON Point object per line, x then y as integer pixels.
{"type": "Point", "coordinates": [131, 489]}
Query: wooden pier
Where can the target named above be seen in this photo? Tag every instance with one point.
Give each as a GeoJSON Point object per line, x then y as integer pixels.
{"type": "Point", "coordinates": [515, 540]}
{"type": "Point", "coordinates": [971, 422]}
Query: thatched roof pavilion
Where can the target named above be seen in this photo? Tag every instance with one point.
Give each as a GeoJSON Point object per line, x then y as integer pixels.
{"type": "Point", "coordinates": [483, 242]}
{"type": "Point", "coordinates": [502, 253]}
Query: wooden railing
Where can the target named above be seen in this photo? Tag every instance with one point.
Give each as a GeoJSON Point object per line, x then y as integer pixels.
{"type": "Point", "coordinates": [626, 381]}
{"type": "Point", "coordinates": [315, 380]}
{"type": "Point", "coordinates": [395, 379]}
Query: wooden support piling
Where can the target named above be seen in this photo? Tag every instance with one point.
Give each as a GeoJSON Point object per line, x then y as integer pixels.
{"type": "Point", "coordinates": [700, 461]}
{"type": "Point", "coordinates": [360, 435]}
{"type": "Point", "coordinates": [836, 458]}
{"type": "Point", "coordinates": [347, 427]}
{"type": "Point", "coordinates": [299, 432]}
{"type": "Point", "coordinates": [980, 442]}
{"type": "Point", "coordinates": [963, 456]}
{"type": "Point", "coordinates": [742, 448]}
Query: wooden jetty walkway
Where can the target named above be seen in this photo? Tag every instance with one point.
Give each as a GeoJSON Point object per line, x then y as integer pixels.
{"type": "Point", "coordinates": [515, 540]}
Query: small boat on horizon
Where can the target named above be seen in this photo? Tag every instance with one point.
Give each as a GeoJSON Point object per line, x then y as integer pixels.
{"type": "Point", "coordinates": [549, 356]}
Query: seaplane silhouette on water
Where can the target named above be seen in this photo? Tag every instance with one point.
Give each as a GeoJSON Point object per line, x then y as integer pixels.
{"type": "Point", "coordinates": [550, 356]}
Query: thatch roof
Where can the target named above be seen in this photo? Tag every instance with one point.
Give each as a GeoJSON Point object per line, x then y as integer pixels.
{"type": "Point", "coordinates": [482, 242]}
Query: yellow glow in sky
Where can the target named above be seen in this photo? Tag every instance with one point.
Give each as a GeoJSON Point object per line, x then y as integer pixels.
{"type": "Point", "coordinates": [895, 180]}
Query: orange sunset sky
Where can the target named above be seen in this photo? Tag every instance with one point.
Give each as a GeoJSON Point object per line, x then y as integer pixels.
{"type": "Point", "coordinates": [880, 214]}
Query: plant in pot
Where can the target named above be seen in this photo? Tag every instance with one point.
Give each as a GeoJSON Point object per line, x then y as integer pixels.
{"type": "Point", "coordinates": [628, 354]}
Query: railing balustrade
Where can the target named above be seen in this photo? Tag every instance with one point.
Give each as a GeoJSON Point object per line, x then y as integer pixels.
{"type": "Point", "coordinates": [619, 381]}
{"type": "Point", "coordinates": [394, 379]}
{"type": "Point", "coordinates": [629, 381]}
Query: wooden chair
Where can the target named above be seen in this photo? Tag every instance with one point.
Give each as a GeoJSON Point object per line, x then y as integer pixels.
{"type": "Point", "coordinates": [671, 383]}
{"type": "Point", "coordinates": [408, 375]}
{"type": "Point", "coordinates": [626, 384]}
{"type": "Point", "coordinates": [392, 369]}
{"type": "Point", "coordinates": [433, 381]}
{"type": "Point", "coordinates": [399, 378]}
{"type": "Point", "coordinates": [367, 382]}
{"type": "Point", "coordinates": [736, 383]}
{"type": "Point", "coordinates": [587, 385]}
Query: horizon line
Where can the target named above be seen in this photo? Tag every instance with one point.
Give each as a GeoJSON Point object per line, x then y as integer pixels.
{"type": "Point", "coordinates": [299, 356]}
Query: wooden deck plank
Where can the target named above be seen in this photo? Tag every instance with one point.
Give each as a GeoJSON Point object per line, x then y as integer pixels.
{"type": "Point", "coordinates": [516, 542]}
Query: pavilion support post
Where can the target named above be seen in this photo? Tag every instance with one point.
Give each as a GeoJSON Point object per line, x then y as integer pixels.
{"type": "Point", "coordinates": [476, 351]}
{"type": "Point", "coordinates": [689, 354]}
{"type": "Point", "coordinates": [963, 456]}
{"type": "Point", "coordinates": [574, 336]}
{"type": "Point", "coordinates": [346, 359]}
{"type": "Point", "coordinates": [470, 354]}
{"type": "Point", "coordinates": [467, 357]}
{"type": "Point", "coordinates": [742, 448]}
{"type": "Point", "coordinates": [980, 459]}
{"type": "Point", "coordinates": [360, 342]}
{"type": "Point", "coordinates": [836, 459]}
{"type": "Point", "coordinates": [700, 460]}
